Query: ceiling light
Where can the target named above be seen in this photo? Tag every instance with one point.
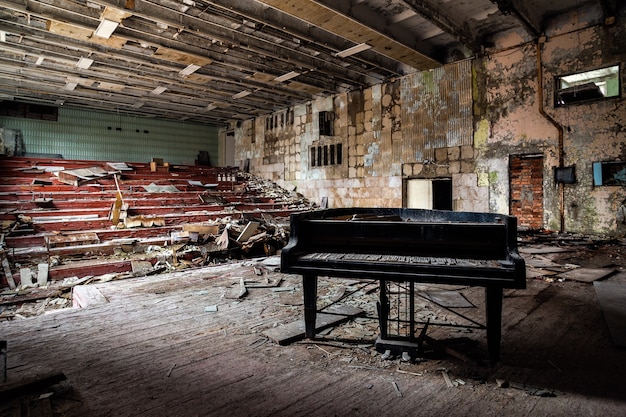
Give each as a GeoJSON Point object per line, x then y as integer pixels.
{"type": "Point", "coordinates": [3, 36]}
{"type": "Point", "coordinates": [70, 86]}
{"type": "Point", "coordinates": [353, 50]}
{"type": "Point", "coordinates": [39, 60]}
{"type": "Point", "coordinates": [242, 94]}
{"type": "Point", "coordinates": [211, 106]}
{"type": "Point", "coordinates": [287, 76]}
{"type": "Point", "coordinates": [190, 69]}
{"type": "Point", "coordinates": [158, 90]}
{"type": "Point", "coordinates": [106, 28]}
{"type": "Point", "coordinates": [84, 63]}
{"type": "Point", "coordinates": [138, 104]}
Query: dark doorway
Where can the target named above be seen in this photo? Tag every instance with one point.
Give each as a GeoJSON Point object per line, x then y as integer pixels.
{"type": "Point", "coordinates": [442, 194]}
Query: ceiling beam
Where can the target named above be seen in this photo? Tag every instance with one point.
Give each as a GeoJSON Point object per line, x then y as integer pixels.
{"type": "Point", "coordinates": [445, 23]}
{"type": "Point", "coordinates": [508, 7]}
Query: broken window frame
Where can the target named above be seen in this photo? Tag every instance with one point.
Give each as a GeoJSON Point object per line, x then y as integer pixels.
{"type": "Point", "coordinates": [589, 85]}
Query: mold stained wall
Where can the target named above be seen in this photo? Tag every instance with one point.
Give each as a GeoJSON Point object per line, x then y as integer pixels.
{"type": "Point", "coordinates": [509, 121]}
{"type": "Point", "coordinates": [417, 126]}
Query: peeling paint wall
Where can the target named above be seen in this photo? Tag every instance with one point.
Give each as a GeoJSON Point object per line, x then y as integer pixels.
{"type": "Point", "coordinates": [509, 121]}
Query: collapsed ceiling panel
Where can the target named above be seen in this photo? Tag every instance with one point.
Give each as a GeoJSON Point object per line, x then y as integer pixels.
{"type": "Point", "coordinates": [215, 61]}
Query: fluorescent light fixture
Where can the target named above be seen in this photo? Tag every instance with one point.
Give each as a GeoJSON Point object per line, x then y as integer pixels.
{"type": "Point", "coordinates": [158, 90]}
{"type": "Point", "coordinates": [3, 36]}
{"type": "Point", "coordinates": [211, 106]}
{"type": "Point", "coordinates": [353, 50]}
{"type": "Point", "coordinates": [106, 28]}
{"type": "Point", "coordinates": [138, 104]}
{"type": "Point", "coordinates": [39, 60]}
{"type": "Point", "coordinates": [70, 86]}
{"type": "Point", "coordinates": [84, 63]}
{"type": "Point", "coordinates": [190, 69]}
{"type": "Point", "coordinates": [242, 94]}
{"type": "Point", "coordinates": [288, 76]}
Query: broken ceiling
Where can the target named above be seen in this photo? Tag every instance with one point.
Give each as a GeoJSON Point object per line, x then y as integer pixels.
{"type": "Point", "coordinates": [218, 61]}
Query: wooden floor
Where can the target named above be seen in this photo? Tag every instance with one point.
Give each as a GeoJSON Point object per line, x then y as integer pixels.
{"type": "Point", "coordinates": [157, 349]}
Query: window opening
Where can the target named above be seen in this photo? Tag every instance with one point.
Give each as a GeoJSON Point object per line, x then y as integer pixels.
{"type": "Point", "coordinates": [588, 85]}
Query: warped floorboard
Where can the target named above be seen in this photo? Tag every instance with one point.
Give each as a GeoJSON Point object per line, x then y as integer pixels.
{"type": "Point", "coordinates": [154, 350]}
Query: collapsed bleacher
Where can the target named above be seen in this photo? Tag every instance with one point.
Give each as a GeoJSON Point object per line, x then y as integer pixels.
{"type": "Point", "coordinates": [65, 219]}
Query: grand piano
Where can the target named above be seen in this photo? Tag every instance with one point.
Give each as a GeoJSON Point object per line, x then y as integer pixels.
{"type": "Point", "coordinates": [406, 246]}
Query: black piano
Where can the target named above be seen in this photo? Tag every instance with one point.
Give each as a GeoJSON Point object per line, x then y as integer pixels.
{"type": "Point", "coordinates": [409, 246]}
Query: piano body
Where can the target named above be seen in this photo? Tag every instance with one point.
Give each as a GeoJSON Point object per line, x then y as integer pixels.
{"type": "Point", "coordinates": [409, 246]}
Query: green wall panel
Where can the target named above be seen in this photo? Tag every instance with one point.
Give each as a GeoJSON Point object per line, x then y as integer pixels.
{"type": "Point", "coordinates": [94, 135]}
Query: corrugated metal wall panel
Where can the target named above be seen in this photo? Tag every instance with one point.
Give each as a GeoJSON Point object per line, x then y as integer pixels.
{"type": "Point", "coordinates": [90, 135]}
{"type": "Point", "coordinates": [436, 112]}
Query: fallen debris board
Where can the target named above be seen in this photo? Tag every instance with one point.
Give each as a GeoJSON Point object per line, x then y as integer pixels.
{"type": "Point", "coordinates": [619, 277]}
{"type": "Point", "coordinates": [79, 176]}
{"type": "Point", "coordinates": [283, 335]}
{"type": "Point", "coordinates": [248, 231]}
{"type": "Point", "coordinates": [586, 274]}
{"type": "Point", "coordinates": [544, 249]}
{"type": "Point", "coordinates": [141, 268]}
{"type": "Point", "coordinates": [119, 166]}
{"type": "Point", "coordinates": [452, 299]}
{"type": "Point", "coordinates": [202, 228]}
{"type": "Point", "coordinates": [612, 299]}
{"type": "Point", "coordinates": [87, 295]}
{"type": "Point", "coordinates": [537, 261]}
{"type": "Point", "coordinates": [238, 292]}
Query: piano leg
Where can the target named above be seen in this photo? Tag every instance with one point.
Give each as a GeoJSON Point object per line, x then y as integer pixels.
{"type": "Point", "coordinates": [309, 289]}
{"type": "Point", "coordinates": [493, 307]}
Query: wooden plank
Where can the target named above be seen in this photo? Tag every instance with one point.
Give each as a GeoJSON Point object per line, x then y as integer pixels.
{"type": "Point", "coordinates": [294, 331]}
{"type": "Point", "coordinates": [202, 228]}
{"type": "Point", "coordinates": [248, 231]}
{"type": "Point", "coordinates": [84, 238]}
{"type": "Point", "coordinates": [612, 299]}
{"type": "Point", "coordinates": [87, 295]}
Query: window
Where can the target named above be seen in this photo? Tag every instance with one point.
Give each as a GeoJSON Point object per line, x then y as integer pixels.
{"type": "Point", "coordinates": [325, 155]}
{"type": "Point", "coordinates": [609, 173]}
{"type": "Point", "coordinates": [326, 119]}
{"type": "Point", "coordinates": [589, 85]}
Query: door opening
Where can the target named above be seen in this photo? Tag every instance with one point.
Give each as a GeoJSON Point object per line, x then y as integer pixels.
{"type": "Point", "coordinates": [428, 193]}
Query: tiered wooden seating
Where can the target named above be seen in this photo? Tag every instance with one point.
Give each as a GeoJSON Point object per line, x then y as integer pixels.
{"type": "Point", "coordinates": [36, 208]}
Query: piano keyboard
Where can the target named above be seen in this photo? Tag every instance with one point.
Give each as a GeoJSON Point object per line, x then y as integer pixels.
{"type": "Point", "coordinates": [399, 259]}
